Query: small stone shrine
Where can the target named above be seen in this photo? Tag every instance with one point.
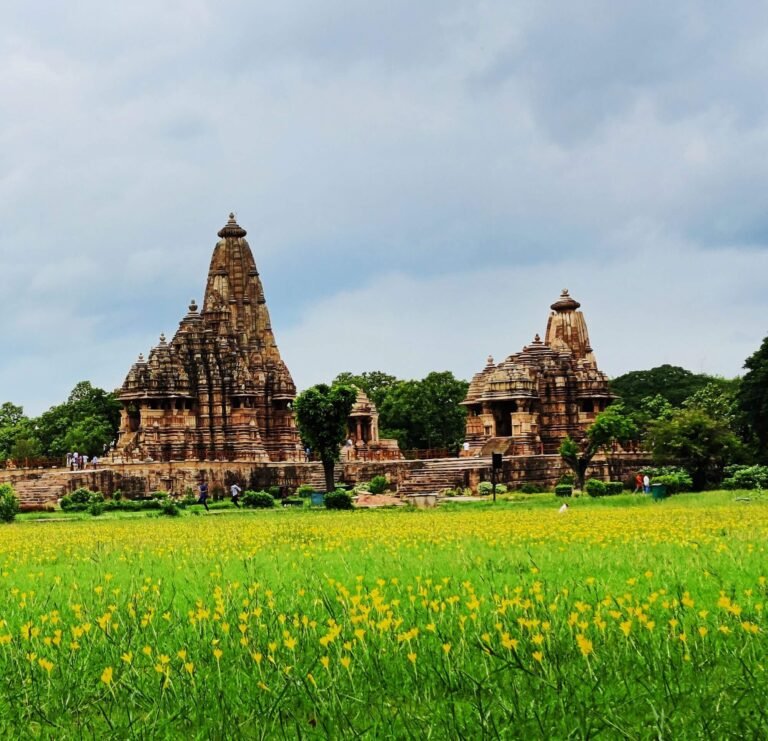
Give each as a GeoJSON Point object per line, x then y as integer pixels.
{"type": "Point", "coordinates": [531, 401]}
{"type": "Point", "coordinates": [219, 389]}
{"type": "Point", "coordinates": [363, 433]}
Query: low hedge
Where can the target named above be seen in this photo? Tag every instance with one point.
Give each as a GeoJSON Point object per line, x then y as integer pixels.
{"type": "Point", "coordinates": [612, 488]}
{"type": "Point", "coordinates": [338, 499]}
{"type": "Point", "coordinates": [258, 499]}
{"type": "Point", "coordinates": [563, 490]}
{"type": "Point", "coordinates": [595, 488]}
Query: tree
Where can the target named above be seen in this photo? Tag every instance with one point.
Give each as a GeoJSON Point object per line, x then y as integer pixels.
{"type": "Point", "coordinates": [426, 413]}
{"type": "Point", "coordinates": [321, 414]}
{"type": "Point", "coordinates": [612, 426]}
{"type": "Point", "coordinates": [10, 414]}
{"type": "Point", "coordinates": [753, 397]}
{"type": "Point", "coordinates": [696, 441]}
{"type": "Point", "coordinates": [376, 384]}
{"type": "Point", "coordinates": [93, 412]}
{"type": "Point", "coordinates": [673, 383]}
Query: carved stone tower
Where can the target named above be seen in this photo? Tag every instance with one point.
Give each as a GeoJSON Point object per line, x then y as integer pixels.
{"type": "Point", "coordinates": [531, 401]}
{"type": "Point", "coordinates": [219, 389]}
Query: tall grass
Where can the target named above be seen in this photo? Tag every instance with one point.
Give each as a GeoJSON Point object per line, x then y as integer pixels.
{"type": "Point", "coordinates": [615, 620]}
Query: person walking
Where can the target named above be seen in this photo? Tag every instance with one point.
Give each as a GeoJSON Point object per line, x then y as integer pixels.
{"type": "Point", "coordinates": [638, 483]}
{"type": "Point", "coordinates": [235, 490]}
{"type": "Point", "coordinates": [203, 490]}
{"type": "Point", "coordinates": [646, 484]}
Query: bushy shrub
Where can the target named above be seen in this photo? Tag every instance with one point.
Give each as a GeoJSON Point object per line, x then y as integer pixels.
{"type": "Point", "coordinates": [160, 495]}
{"type": "Point", "coordinates": [275, 492]}
{"type": "Point", "coordinates": [338, 499]}
{"type": "Point", "coordinates": [595, 488]}
{"type": "Point", "coordinates": [9, 503]}
{"type": "Point", "coordinates": [746, 477]}
{"type": "Point", "coordinates": [532, 489]}
{"type": "Point", "coordinates": [563, 490]}
{"type": "Point", "coordinates": [378, 485]}
{"type": "Point", "coordinates": [117, 495]}
{"type": "Point", "coordinates": [81, 496]}
{"type": "Point", "coordinates": [363, 486]}
{"type": "Point", "coordinates": [260, 499]}
{"type": "Point", "coordinates": [169, 508]}
{"type": "Point", "coordinates": [81, 500]}
{"type": "Point", "coordinates": [612, 488]}
{"type": "Point", "coordinates": [567, 479]}
{"type": "Point", "coordinates": [96, 507]}
{"type": "Point", "coordinates": [675, 482]}
{"type": "Point", "coordinates": [305, 490]}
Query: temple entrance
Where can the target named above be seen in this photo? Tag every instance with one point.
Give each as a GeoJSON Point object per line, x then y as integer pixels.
{"type": "Point", "coordinates": [502, 417]}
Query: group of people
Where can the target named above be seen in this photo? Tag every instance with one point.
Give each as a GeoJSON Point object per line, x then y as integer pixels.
{"type": "Point", "coordinates": [78, 462]}
{"type": "Point", "coordinates": [642, 483]}
{"type": "Point", "coordinates": [202, 490]}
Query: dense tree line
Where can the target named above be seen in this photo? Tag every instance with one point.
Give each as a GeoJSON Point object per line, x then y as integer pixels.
{"type": "Point", "coordinates": [86, 422]}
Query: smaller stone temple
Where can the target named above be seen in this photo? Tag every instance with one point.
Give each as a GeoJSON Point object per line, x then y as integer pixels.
{"type": "Point", "coordinates": [363, 433]}
{"type": "Point", "coordinates": [218, 390]}
{"type": "Point", "coordinates": [531, 401]}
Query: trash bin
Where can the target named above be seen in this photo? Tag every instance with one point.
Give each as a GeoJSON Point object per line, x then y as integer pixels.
{"type": "Point", "coordinates": [317, 499]}
{"type": "Point", "coordinates": [658, 491]}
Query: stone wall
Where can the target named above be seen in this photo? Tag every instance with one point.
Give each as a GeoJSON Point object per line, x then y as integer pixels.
{"type": "Point", "coordinates": [38, 486]}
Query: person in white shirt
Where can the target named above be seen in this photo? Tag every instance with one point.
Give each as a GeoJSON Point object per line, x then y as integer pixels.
{"type": "Point", "coordinates": [235, 490]}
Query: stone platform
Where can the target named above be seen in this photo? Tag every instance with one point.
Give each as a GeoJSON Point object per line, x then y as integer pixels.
{"type": "Point", "coordinates": [39, 488]}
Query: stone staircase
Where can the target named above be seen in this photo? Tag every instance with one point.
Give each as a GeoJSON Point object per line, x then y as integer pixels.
{"type": "Point", "coordinates": [443, 473]}
{"type": "Point", "coordinates": [316, 477]}
{"type": "Point", "coordinates": [39, 492]}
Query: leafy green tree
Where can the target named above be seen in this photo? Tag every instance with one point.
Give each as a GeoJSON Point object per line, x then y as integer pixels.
{"type": "Point", "coordinates": [753, 397]}
{"type": "Point", "coordinates": [89, 436]}
{"type": "Point", "coordinates": [15, 427]}
{"type": "Point", "coordinates": [25, 448]}
{"type": "Point", "coordinates": [376, 384]}
{"type": "Point", "coordinates": [612, 426]}
{"type": "Point", "coordinates": [426, 413]}
{"type": "Point", "coordinates": [696, 441]}
{"type": "Point", "coordinates": [93, 412]}
{"type": "Point", "coordinates": [321, 414]}
{"type": "Point", "coordinates": [10, 414]}
{"type": "Point", "coordinates": [673, 383]}
{"type": "Point", "coordinates": [719, 401]}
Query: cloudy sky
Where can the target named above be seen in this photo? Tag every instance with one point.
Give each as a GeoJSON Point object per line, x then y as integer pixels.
{"type": "Point", "coordinates": [419, 180]}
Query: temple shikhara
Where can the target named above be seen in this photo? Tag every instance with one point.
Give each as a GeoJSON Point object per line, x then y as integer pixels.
{"type": "Point", "coordinates": [527, 404]}
{"type": "Point", "coordinates": [219, 389]}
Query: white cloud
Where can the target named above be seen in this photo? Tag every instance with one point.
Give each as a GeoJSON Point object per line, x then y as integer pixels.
{"type": "Point", "coordinates": [422, 161]}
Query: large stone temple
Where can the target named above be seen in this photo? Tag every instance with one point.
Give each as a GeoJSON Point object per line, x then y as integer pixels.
{"type": "Point", "coordinates": [531, 401]}
{"type": "Point", "coordinates": [219, 389]}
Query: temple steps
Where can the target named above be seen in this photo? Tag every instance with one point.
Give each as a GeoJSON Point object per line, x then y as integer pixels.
{"type": "Point", "coordinates": [42, 491]}
{"type": "Point", "coordinates": [444, 473]}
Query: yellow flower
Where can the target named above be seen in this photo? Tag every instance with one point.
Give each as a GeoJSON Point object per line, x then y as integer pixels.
{"type": "Point", "coordinates": [412, 657]}
{"type": "Point", "coordinates": [345, 661]}
{"type": "Point", "coordinates": [106, 675]}
{"type": "Point", "coordinates": [325, 661]}
{"type": "Point", "coordinates": [147, 651]}
{"type": "Point", "coordinates": [703, 631]}
{"type": "Point", "coordinates": [585, 645]}
{"type": "Point", "coordinates": [127, 657]}
{"type": "Point", "coordinates": [189, 667]}
{"type": "Point", "coordinates": [217, 653]}
{"type": "Point", "coordinates": [538, 656]}
{"type": "Point", "coordinates": [446, 648]}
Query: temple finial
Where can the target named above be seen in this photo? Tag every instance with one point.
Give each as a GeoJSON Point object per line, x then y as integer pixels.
{"type": "Point", "coordinates": [232, 228]}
